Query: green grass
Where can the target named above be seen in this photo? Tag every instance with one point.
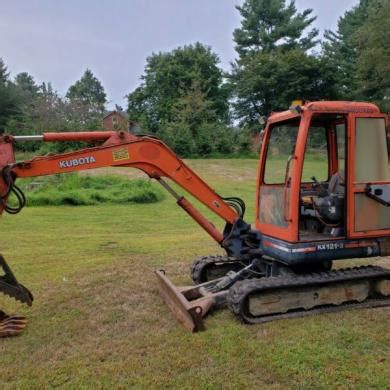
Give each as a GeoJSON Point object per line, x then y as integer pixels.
{"type": "Point", "coordinates": [83, 190]}
{"type": "Point", "coordinates": [98, 320]}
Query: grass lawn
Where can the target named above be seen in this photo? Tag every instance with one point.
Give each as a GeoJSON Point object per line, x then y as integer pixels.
{"type": "Point", "coordinates": [98, 320]}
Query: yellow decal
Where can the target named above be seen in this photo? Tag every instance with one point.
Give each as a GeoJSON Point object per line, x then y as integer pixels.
{"type": "Point", "coordinates": [120, 154]}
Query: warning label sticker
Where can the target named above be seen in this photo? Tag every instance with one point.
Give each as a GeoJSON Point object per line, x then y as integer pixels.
{"type": "Point", "coordinates": [120, 154]}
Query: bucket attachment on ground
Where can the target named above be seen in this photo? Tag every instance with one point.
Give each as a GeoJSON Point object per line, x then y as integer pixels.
{"type": "Point", "coordinates": [11, 287]}
{"type": "Point", "coordinates": [11, 325]}
{"type": "Point", "coordinates": [189, 304]}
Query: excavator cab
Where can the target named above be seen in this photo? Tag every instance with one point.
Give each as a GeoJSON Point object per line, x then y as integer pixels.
{"type": "Point", "coordinates": [323, 194]}
{"type": "Point", "coordinates": [324, 178]}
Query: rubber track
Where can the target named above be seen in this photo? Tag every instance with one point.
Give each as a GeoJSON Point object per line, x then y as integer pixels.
{"type": "Point", "coordinates": [239, 292]}
{"type": "Point", "coordinates": [199, 265]}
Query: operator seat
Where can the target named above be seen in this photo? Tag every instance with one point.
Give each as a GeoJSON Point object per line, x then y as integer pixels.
{"type": "Point", "coordinates": [337, 183]}
{"type": "Point", "coordinates": [329, 206]}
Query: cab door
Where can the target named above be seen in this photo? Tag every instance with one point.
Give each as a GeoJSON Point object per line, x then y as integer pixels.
{"type": "Point", "coordinates": [276, 204]}
{"type": "Point", "coordinates": [368, 177]}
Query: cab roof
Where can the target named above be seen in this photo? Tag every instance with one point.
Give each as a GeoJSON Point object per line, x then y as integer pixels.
{"type": "Point", "coordinates": [328, 106]}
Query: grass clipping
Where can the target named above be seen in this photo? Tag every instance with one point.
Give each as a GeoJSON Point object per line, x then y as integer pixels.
{"type": "Point", "coordinates": [84, 190]}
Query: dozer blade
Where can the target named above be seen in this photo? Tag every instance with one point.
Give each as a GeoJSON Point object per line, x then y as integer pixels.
{"type": "Point", "coordinates": [188, 304]}
{"type": "Point", "coordinates": [11, 287]}
{"type": "Point", "coordinates": [11, 325]}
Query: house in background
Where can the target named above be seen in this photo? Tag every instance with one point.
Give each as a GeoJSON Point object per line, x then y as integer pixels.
{"type": "Point", "coordinates": [119, 120]}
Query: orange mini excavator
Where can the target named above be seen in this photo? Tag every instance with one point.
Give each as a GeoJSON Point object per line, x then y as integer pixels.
{"type": "Point", "coordinates": [307, 215]}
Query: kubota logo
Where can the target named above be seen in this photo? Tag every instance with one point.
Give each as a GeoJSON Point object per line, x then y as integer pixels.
{"type": "Point", "coordinates": [77, 161]}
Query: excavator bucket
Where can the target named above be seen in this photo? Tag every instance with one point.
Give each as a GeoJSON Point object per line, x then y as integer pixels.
{"type": "Point", "coordinates": [12, 325]}
{"type": "Point", "coordinates": [11, 287]}
{"type": "Point", "coordinates": [189, 304]}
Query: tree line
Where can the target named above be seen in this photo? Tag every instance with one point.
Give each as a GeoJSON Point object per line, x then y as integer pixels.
{"type": "Point", "coordinates": [186, 99]}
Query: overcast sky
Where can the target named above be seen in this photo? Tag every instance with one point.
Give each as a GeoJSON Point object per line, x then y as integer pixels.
{"type": "Point", "coordinates": [57, 40]}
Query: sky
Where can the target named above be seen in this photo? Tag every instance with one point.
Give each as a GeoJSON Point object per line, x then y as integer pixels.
{"type": "Point", "coordinates": [57, 40]}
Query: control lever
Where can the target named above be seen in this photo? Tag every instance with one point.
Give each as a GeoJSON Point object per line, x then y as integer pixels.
{"type": "Point", "coordinates": [322, 190]}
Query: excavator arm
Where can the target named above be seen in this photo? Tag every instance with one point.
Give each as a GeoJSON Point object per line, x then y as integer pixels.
{"type": "Point", "coordinates": [122, 149]}
{"type": "Point", "coordinates": [145, 153]}
{"type": "Point", "coordinates": [119, 149]}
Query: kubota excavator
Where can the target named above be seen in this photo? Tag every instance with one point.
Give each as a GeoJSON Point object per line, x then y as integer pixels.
{"type": "Point", "coordinates": [281, 265]}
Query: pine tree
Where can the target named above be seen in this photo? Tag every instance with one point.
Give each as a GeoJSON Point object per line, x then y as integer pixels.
{"type": "Point", "coordinates": [274, 65]}
{"type": "Point", "coordinates": [26, 84]}
{"type": "Point", "coordinates": [270, 24]}
{"type": "Point", "coordinates": [341, 52]}
{"type": "Point", "coordinates": [373, 62]}
{"type": "Point", "coordinates": [9, 99]}
{"type": "Point", "coordinates": [4, 74]}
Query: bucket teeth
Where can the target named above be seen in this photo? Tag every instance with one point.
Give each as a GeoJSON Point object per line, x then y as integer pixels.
{"type": "Point", "coordinates": [11, 325]}
{"type": "Point", "coordinates": [11, 287]}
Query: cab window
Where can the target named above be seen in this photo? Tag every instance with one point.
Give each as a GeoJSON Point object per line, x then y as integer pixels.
{"type": "Point", "coordinates": [316, 155]}
{"type": "Point", "coordinates": [281, 145]}
{"type": "Point", "coordinates": [371, 150]}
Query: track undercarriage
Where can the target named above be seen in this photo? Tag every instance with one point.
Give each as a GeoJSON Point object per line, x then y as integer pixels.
{"type": "Point", "coordinates": [258, 291]}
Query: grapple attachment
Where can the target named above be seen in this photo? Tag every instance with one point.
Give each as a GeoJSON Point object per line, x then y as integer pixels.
{"type": "Point", "coordinates": [12, 325]}
{"type": "Point", "coordinates": [189, 304]}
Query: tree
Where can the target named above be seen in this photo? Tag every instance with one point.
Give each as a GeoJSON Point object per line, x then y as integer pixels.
{"type": "Point", "coordinates": [88, 91]}
{"type": "Point", "coordinates": [194, 108]}
{"type": "Point", "coordinates": [26, 85]}
{"type": "Point", "coordinates": [341, 52]}
{"type": "Point", "coordinates": [4, 74]}
{"type": "Point", "coordinates": [270, 81]}
{"type": "Point", "coordinates": [26, 108]}
{"type": "Point", "coordinates": [169, 77]}
{"type": "Point", "coordinates": [270, 24]}
{"type": "Point", "coordinates": [39, 110]}
{"type": "Point", "coordinates": [358, 52]}
{"type": "Point", "coordinates": [54, 113]}
{"type": "Point", "coordinates": [9, 99]}
{"type": "Point", "coordinates": [373, 61]}
{"type": "Point", "coordinates": [195, 128]}
{"type": "Point", "coordinates": [9, 105]}
{"type": "Point", "coordinates": [274, 65]}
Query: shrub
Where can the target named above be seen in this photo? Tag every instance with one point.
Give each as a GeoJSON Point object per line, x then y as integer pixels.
{"type": "Point", "coordinates": [82, 190]}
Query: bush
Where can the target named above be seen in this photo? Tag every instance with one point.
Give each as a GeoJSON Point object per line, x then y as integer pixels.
{"type": "Point", "coordinates": [79, 190]}
{"type": "Point", "coordinates": [244, 142]}
{"type": "Point", "coordinates": [205, 140]}
{"type": "Point", "coordinates": [224, 139]}
{"type": "Point", "coordinates": [208, 139]}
